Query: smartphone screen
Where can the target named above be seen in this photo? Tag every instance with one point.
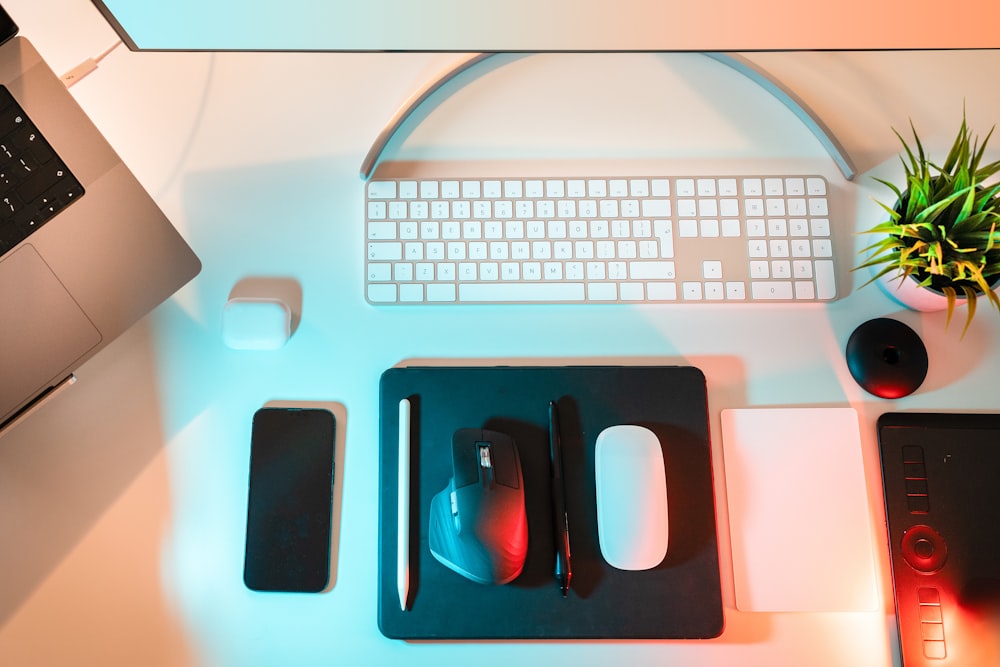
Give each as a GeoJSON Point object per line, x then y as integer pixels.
{"type": "Point", "coordinates": [290, 503]}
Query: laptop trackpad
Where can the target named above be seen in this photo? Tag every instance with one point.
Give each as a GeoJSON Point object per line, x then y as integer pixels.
{"type": "Point", "coordinates": [43, 330]}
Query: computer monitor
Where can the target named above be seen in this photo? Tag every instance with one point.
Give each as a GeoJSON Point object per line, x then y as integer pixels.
{"type": "Point", "coordinates": [542, 25]}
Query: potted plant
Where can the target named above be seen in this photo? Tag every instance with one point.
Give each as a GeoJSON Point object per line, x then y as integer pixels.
{"type": "Point", "coordinates": [941, 238]}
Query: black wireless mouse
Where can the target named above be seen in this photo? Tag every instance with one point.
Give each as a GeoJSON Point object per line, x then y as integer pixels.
{"type": "Point", "coordinates": [478, 525]}
{"type": "Point", "coordinates": [887, 358]}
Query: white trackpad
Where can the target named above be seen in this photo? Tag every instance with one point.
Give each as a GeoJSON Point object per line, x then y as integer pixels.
{"type": "Point", "coordinates": [44, 330]}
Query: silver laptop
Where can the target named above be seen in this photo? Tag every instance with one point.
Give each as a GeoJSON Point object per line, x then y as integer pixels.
{"type": "Point", "coordinates": [84, 250]}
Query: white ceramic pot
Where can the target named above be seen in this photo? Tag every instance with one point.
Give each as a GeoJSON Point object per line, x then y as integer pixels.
{"type": "Point", "coordinates": [908, 293]}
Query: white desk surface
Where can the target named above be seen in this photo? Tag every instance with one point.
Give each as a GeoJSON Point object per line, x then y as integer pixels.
{"type": "Point", "coordinates": [122, 504]}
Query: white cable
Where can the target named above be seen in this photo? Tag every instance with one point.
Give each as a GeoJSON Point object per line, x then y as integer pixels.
{"type": "Point", "coordinates": [74, 75]}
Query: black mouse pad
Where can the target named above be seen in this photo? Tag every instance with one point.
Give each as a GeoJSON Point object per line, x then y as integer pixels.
{"type": "Point", "coordinates": [679, 599]}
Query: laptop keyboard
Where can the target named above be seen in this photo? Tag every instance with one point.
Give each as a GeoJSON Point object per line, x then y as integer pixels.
{"type": "Point", "coordinates": [35, 184]}
{"type": "Point", "coordinates": [704, 239]}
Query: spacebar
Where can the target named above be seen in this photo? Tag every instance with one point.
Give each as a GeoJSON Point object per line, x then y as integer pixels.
{"type": "Point", "coordinates": [520, 292]}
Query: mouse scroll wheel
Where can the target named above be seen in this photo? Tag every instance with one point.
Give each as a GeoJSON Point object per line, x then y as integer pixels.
{"type": "Point", "coordinates": [485, 455]}
{"type": "Point", "coordinates": [486, 471]}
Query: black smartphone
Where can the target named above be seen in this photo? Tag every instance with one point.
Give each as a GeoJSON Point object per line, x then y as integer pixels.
{"type": "Point", "coordinates": [290, 503]}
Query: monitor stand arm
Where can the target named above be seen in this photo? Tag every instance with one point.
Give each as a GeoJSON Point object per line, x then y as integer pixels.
{"type": "Point", "coordinates": [755, 73]}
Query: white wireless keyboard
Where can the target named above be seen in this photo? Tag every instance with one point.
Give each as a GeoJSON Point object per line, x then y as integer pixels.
{"type": "Point", "coordinates": [710, 240]}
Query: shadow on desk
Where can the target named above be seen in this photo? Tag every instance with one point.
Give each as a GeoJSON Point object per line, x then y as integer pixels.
{"type": "Point", "coordinates": [62, 475]}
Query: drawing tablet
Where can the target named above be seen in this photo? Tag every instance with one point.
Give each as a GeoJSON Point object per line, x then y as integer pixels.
{"type": "Point", "coordinates": [940, 477]}
{"type": "Point", "coordinates": [679, 599]}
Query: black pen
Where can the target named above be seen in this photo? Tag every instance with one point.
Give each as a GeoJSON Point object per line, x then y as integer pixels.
{"type": "Point", "coordinates": [564, 569]}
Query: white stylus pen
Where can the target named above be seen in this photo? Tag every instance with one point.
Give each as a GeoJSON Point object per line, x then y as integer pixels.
{"type": "Point", "coordinates": [403, 506]}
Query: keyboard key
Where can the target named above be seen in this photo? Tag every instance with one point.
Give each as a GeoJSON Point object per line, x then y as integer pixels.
{"type": "Point", "coordinates": [736, 291]}
{"type": "Point", "coordinates": [711, 269]}
{"type": "Point", "coordinates": [815, 186]}
{"type": "Point", "coordinates": [651, 270]}
{"type": "Point", "coordinates": [817, 207]}
{"type": "Point", "coordinates": [753, 208]}
{"type": "Point", "coordinates": [441, 292]}
{"type": "Point", "coordinates": [771, 290]}
{"type": "Point", "coordinates": [781, 269]}
{"type": "Point", "coordinates": [804, 290]}
{"type": "Point", "coordinates": [687, 229]}
{"type": "Point", "coordinates": [826, 287]}
{"type": "Point", "coordinates": [520, 292]}
{"type": "Point", "coordinates": [714, 291]}
{"type": "Point", "coordinates": [757, 248]}
{"type": "Point", "coordinates": [402, 271]}
{"type": "Point", "coordinates": [411, 293]}
{"type": "Point", "coordinates": [379, 271]}
{"type": "Point", "coordinates": [753, 187]}
{"type": "Point", "coordinates": [820, 226]}
{"type": "Point", "coordinates": [795, 186]}
{"type": "Point", "coordinates": [471, 189]}
{"type": "Point", "coordinates": [428, 189]}
{"type": "Point", "coordinates": [602, 292]}
{"type": "Point", "coordinates": [729, 208]}
{"type": "Point", "coordinates": [597, 188]}
{"type": "Point", "coordinates": [631, 291]}
{"type": "Point", "coordinates": [756, 227]}
{"type": "Point", "coordinates": [381, 231]}
{"type": "Point", "coordinates": [655, 208]}
{"type": "Point", "coordinates": [576, 188]}
{"type": "Point", "coordinates": [407, 189]}
{"type": "Point", "coordinates": [778, 247]}
{"type": "Point", "coordinates": [774, 186]}
{"type": "Point", "coordinates": [382, 293]}
{"type": "Point", "coordinates": [381, 189]}
{"type": "Point", "coordinates": [691, 291]}
{"type": "Point", "coordinates": [385, 251]}
{"type": "Point", "coordinates": [800, 248]}
{"type": "Point", "coordinates": [687, 208]}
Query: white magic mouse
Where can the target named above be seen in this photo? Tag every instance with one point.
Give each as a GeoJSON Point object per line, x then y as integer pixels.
{"type": "Point", "coordinates": [632, 522]}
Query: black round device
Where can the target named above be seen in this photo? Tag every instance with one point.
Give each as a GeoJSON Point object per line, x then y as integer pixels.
{"type": "Point", "coordinates": [887, 358]}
